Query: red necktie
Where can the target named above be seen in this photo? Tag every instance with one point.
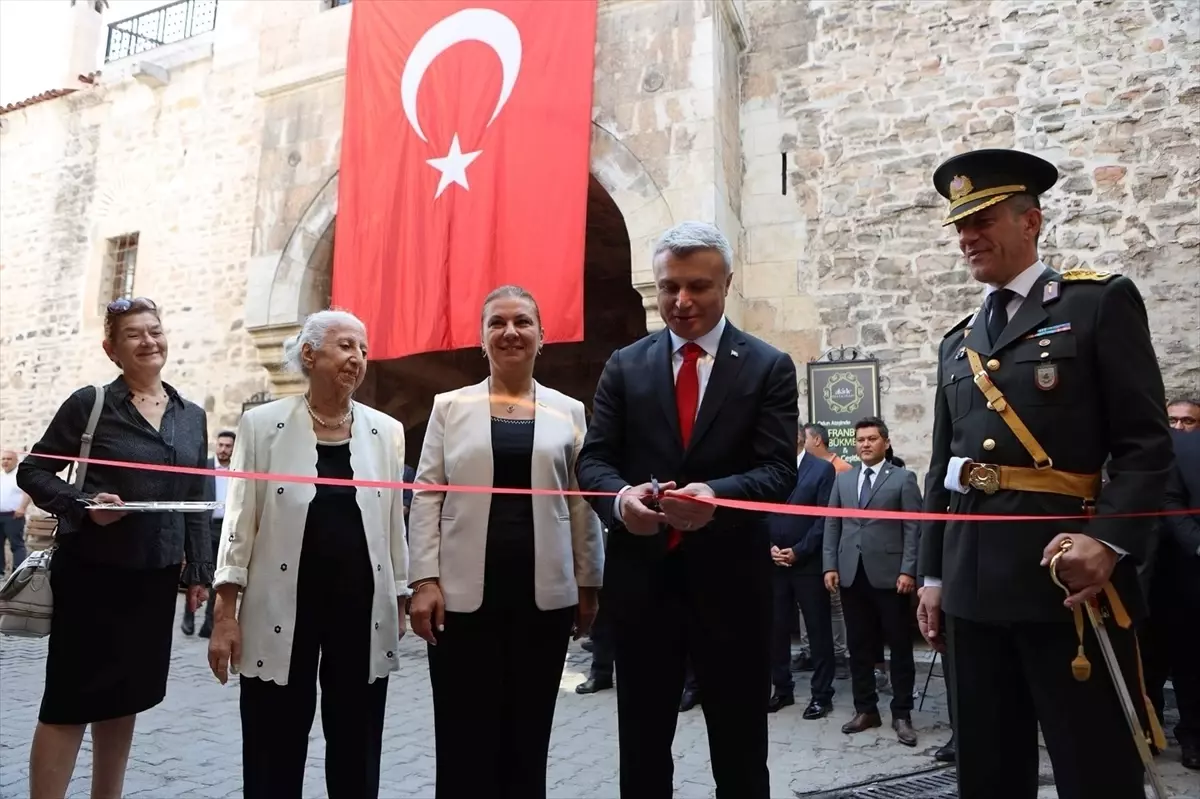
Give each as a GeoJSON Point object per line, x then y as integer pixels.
{"type": "Point", "coordinates": [687, 400]}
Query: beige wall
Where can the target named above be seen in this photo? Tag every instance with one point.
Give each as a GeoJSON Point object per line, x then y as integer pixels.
{"type": "Point", "coordinates": [226, 172]}
{"type": "Point", "coordinates": [175, 163]}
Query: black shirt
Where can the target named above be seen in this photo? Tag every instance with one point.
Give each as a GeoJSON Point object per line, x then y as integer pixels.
{"type": "Point", "coordinates": [139, 540]}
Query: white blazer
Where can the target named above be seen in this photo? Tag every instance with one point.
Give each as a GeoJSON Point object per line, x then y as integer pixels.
{"type": "Point", "coordinates": [448, 530]}
{"type": "Point", "coordinates": [264, 528]}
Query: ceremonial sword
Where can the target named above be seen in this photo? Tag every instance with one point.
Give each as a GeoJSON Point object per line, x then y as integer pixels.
{"type": "Point", "coordinates": [1097, 616]}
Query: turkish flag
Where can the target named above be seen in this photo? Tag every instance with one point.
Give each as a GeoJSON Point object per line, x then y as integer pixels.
{"type": "Point", "coordinates": [464, 166]}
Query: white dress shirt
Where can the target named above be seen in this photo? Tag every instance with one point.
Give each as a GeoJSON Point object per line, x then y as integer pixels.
{"type": "Point", "coordinates": [709, 342]}
{"type": "Point", "coordinates": [10, 496]}
{"type": "Point", "coordinates": [1020, 286]}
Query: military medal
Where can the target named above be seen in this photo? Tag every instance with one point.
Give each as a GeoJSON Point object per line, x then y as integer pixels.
{"type": "Point", "coordinates": [1046, 376]}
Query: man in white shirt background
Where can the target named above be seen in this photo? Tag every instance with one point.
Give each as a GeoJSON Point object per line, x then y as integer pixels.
{"type": "Point", "coordinates": [12, 508]}
{"type": "Point", "coordinates": [217, 486]}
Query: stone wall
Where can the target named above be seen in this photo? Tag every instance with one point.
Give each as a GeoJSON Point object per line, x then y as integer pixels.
{"type": "Point", "coordinates": [175, 163]}
{"type": "Point", "coordinates": [866, 99]}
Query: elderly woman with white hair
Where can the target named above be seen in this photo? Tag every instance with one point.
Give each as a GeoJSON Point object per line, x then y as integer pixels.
{"type": "Point", "coordinates": [322, 570]}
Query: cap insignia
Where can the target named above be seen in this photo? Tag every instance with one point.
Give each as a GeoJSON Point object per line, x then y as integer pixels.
{"type": "Point", "coordinates": [960, 187]}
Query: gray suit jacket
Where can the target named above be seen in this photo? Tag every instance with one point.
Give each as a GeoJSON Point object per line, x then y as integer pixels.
{"type": "Point", "coordinates": [887, 548]}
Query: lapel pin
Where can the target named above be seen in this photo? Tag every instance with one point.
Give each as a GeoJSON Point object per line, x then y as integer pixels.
{"type": "Point", "coordinates": [1050, 292]}
{"type": "Point", "coordinates": [733, 353]}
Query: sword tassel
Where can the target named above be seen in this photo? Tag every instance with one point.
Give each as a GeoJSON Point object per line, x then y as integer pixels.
{"type": "Point", "coordinates": [1081, 667]}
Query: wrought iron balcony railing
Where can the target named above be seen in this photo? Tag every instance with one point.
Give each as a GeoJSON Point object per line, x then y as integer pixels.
{"type": "Point", "coordinates": [171, 23]}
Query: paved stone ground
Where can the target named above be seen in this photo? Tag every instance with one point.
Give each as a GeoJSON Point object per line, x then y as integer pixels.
{"type": "Point", "coordinates": [190, 746]}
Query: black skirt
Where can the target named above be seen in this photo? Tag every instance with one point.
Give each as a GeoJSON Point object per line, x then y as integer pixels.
{"type": "Point", "coordinates": [110, 640]}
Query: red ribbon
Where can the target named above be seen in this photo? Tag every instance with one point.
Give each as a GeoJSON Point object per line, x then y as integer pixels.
{"type": "Point", "coordinates": [733, 504]}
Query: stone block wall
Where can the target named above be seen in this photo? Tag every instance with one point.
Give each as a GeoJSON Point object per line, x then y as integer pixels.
{"type": "Point", "coordinates": [865, 99]}
{"type": "Point", "coordinates": [176, 164]}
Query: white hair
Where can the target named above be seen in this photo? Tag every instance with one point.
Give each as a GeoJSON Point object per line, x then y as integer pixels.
{"type": "Point", "coordinates": [316, 326]}
{"type": "Point", "coordinates": [689, 237]}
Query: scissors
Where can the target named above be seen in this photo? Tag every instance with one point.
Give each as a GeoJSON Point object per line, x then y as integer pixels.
{"type": "Point", "coordinates": [654, 495]}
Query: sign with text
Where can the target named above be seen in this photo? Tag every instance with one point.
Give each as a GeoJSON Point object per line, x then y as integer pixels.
{"type": "Point", "coordinates": [839, 394]}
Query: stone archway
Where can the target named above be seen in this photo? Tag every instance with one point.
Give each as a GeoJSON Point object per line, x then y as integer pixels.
{"type": "Point", "coordinates": [283, 287]}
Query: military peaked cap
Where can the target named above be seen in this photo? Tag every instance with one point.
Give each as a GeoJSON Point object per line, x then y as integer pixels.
{"type": "Point", "coordinates": [981, 178]}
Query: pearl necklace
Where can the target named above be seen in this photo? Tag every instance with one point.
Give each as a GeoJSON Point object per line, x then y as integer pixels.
{"type": "Point", "coordinates": [329, 426]}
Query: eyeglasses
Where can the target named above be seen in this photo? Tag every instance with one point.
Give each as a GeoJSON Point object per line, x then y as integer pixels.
{"type": "Point", "coordinates": [125, 305]}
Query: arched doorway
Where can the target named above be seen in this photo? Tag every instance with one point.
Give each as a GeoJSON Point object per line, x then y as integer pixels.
{"type": "Point", "coordinates": [613, 317]}
{"type": "Point", "coordinates": [626, 213]}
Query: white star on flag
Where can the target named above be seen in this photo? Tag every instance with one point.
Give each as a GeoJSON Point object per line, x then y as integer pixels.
{"type": "Point", "coordinates": [453, 166]}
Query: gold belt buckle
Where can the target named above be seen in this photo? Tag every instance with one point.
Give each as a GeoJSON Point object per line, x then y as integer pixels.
{"type": "Point", "coordinates": [985, 478]}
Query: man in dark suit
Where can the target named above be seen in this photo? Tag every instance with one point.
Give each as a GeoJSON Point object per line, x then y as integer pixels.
{"type": "Point", "coordinates": [214, 491]}
{"type": "Point", "coordinates": [873, 563]}
{"type": "Point", "coordinates": [1178, 578]}
{"type": "Point", "coordinates": [708, 411]}
{"type": "Point", "coordinates": [1035, 390]}
{"type": "Point", "coordinates": [796, 551]}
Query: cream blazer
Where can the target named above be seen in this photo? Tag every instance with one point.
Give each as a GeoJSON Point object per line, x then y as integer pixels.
{"type": "Point", "coordinates": [448, 530]}
{"type": "Point", "coordinates": [264, 528]}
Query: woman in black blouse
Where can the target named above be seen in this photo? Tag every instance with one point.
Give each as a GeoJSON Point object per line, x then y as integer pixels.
{"type": "Point", "coordinates": [115, 575]}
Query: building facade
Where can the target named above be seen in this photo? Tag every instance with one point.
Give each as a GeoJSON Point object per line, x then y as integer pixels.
{"type": "Point", "coordinates": [203, 173]}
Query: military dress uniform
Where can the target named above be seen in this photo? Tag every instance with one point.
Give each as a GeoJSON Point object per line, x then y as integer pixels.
{"type": "Point", "coordinates": [1023, 425]}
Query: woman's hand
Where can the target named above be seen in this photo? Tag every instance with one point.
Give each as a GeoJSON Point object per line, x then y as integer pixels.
{"type": "Point", "coordinates": [401, 601]}
{"type": "Point", "coordinates": [196, 594]}
{"type": "Point", "coordinates": [428, 610]}
{"type": "Point", "coordinates": [224, 648]}
{"type": "Point", "coordinates": [585, 611]}
{"type": "Point", "coordinates": [106, 517]}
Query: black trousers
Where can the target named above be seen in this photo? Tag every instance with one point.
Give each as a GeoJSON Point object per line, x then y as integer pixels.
{"type": "Point", "coordinates": [602, 643]}
{"type": "Point", "coordinates": [1170, 647]}
{"type": "Point", "coordinates": [1009, 679]}
{"type": "Point", "coordinates": [13, 530]}
{"type": "Point", "coordinates": [666, 616]}
{"type": "Point", "coordinates": [493, 743]}
{"type": "Point", "coordinates": [276, 719]}
{"type": "Point", "coordinates": [871, 613]}
{"type": "Point", "coordinates": [808, 591]}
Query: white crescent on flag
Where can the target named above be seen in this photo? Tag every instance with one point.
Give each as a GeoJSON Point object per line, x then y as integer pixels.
{"type": "Point", "coordinates": [483, 25]}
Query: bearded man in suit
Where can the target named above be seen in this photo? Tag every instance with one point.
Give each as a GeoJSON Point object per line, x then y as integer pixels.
{"type": "Point", "coordinates": [873, 564]}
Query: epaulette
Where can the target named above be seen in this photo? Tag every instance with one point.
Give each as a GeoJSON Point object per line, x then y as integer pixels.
{"type": "Point", "coordinates": [1087, 275]}
{"type": "Point", "coordinates": [959, 326]}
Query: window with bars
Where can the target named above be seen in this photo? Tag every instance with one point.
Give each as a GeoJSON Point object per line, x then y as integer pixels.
{"type": "Point", "coordinates": [120, 263]}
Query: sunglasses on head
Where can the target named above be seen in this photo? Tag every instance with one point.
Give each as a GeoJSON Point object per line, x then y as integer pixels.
{"type": "Point", "coordinates": [125, 305]}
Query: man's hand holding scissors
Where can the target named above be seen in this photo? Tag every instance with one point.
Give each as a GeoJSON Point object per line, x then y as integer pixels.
{"type": "Point", "coordinates": [640, 512]}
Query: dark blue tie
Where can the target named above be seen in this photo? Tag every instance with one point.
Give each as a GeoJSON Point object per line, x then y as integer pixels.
{"type": "Point", "coordinates": [865, 494]}
{"type": "Point", "coordinates": [997, 318]}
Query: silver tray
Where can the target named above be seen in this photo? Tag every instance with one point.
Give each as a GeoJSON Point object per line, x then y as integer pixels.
{"type": "Point", "coordinates": [155, 507]}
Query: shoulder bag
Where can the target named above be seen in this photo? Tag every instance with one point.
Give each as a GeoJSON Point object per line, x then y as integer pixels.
{"type": "Point", "coordinates": [26, 602]}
